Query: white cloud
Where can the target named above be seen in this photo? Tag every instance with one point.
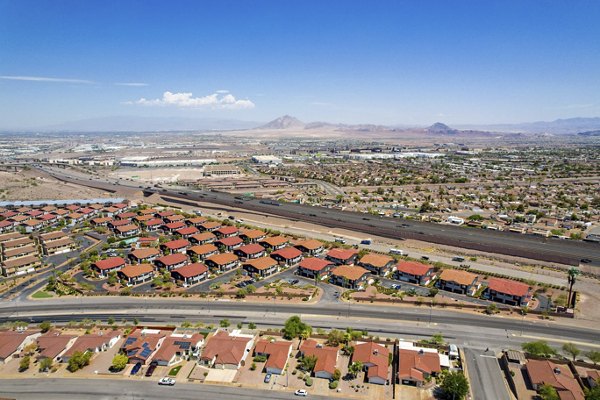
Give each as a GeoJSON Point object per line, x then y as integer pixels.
{"type": "Point", "coordinates": [133, 84]}
{"type": "Point", "coordinates": [186, 100]}
{"type": "Point", "coordinates": [43, 79]}
{"type": "Point", "coordinates": [222, 91]}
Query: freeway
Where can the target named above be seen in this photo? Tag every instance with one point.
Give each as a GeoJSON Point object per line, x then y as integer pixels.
{"type": "Point", "coordinates": [388, 316]}
{"type": "Point", "coordinates": [528, 246]}
{"type": "Point", "coordinates": [103, 389]}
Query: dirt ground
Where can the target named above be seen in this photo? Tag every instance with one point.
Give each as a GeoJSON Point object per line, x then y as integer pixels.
{"type": "Point", "coordinates": [33, 185]}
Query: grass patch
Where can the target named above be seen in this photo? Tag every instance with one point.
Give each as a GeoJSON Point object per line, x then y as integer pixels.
{"type": "Point", "coordinates": [175, 370]}
{"type": "Point", "coordinates": [40, 294]}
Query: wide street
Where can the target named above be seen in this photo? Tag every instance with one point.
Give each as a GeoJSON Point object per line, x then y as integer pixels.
{"type": "Point", "coordinates": [104, 389]}
{"type": "Point", "coordinates": [388, 318]}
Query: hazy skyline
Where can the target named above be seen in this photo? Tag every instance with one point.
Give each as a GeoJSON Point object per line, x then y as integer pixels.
{"type": "Point", "coordinates": [352, 62]}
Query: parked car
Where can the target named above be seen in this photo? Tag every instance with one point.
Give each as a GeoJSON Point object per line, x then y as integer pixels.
{"type": "Point", "coordinates": [267, 378]}
{"type": "Point", "coordinates": [396, 286]}
{"type": "Point", "coordinates": [151, 368]}
{"type": "Point", "coordinates": [424, 258]}
{"type": "Point", "coordinates": [166, 381]}
{"type": "Point", "coordinates": [136, 368]}
{"type": "Point", "coordinates": [301, 392]}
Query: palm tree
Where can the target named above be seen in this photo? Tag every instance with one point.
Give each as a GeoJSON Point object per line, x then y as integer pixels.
{"type": "Point", "coordinates": [572, 278]}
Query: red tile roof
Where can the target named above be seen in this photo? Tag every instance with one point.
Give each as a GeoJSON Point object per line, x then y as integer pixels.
{"type": "Point", "coordinates": [288, 253]}
{"type": "Point", "coordinates": [225, 349]}
{"type": "Point", "coordinates": [227, 230]}
{"type": "Point", "coordinates": [173, 259]}
{"type": "Point", "coordinates": [326, 356]}
{"type": "Point", "coordinates": [349, 272]}
{"type": "Point", "coordinates": [278, 353]}
{"type": "Point", "coordinates": [109, 263]}
{"type": "Point", "coordinates": [224, 258]}
{"type": "Point", "coordinates": [187, 230]}
{"type": "Point", "coordinates": [376, 260]}
{"type": "Point", "coordinates": [413, 268]}
{"type": "Point", "coordinates": [508, 286]}
{"type": "Point", "coordinates": [176, 244]}
{"type": "Point", "coordinates": [458, 276]}
{"type": "Point", "coordinates": [342, 254]}
{"type": "Point", "coordinates": [191, 270]}
{"type": "Point", "coordinates": [230, 241]}
{"type": "Point", "coordinates": [414, 364]}
{"type": "Point", "coordinates": [203, 249]}
{"type": "Point", "coordinates": [376, 355]}
{"type": "Point", "coordinates": [311, 244]}
{"type": "Point", "coordinates": [545, 372]}
{"type": "Point", "coordinates": [133, 271]}
{"type": "Point", "coordinates": [262, 263]}
{"type": "Point", "coordinates": [252, 248]}
{"type": "Point", "coordinates": [175, 225]}
{"type": "Point", "coordinates": [314, 264]}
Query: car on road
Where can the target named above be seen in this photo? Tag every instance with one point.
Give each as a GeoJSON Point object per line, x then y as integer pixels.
{"type": "Point", "coordinates": [458, 259]}
{"type": "Point", "coordinates": [267, 378]}
{"type": "Point", "coordinates": [340, 240]}
{"type": "Point", "coordinates": [586, 260]}
{"type": "Point", "coordinates": [396, 286]}
{"type": "Point", "coordinates": [424, 258]}
{"type": "Point", "coordinates": [166, 381]}
{"type": "Point", "coordinates": [151, 368]}
{"type": "Point", "coordinates": [301, 392]}
{"type": "Point", "coordinates": [136, 368]}
{"type": "Point", "coordinates": [365, 241]}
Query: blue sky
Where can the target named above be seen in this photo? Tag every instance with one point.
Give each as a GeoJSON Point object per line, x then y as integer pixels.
{"type": "Point", "coordinates": [405, 62]}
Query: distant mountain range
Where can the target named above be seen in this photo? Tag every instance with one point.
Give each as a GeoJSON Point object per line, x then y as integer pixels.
{"type": "Point", "coordinates": [582, 126]}
{"type": "Point", "coordinates": [559, 126]}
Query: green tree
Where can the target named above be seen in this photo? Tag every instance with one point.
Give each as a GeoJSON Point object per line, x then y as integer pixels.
{"type": "Point", "coordinates": [45, 364]}
{"type": "Point", "coordinates": [475, 217]}
{"type": "Point", "coordinates": [594, 356]}
{"type": "Point", "coordinates": [119, 362]}
{"type": "Point", "coordinates": [355, 368]}
{"type": "Point", "coordinates": [454, 385]}
{"type": "Point", "coordinates": [572, 350]}
{"type": "Point", "coordinates": [547, 392]}
{"type": "Point", "coordinates": [337, 374]}
{"type": "Point", "coordinates": [593, 393]}
{"type": "Point", "coordinates": [437, 339]}
{"type": "Point", "coordinates": [335, 337]}
{"type": "Point", "coordinates": [538, 348]}
{"type": "Point", "coordinates": [224, 323]}
{"type": "Point", "coordinates": [294, 327]}
{"type": "Point", "coordinates": [45, 326]}
{"type": "Point", "coordinates": [24, 363]}
{"type": "Point", "coordinates": [308, 363]}
{"type": "Point", "coordinates": [79, 360]}
{"type": "Point", "coordinates": [251, 325]}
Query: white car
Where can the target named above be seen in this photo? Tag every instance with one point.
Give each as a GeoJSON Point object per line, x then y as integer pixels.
{"type": "Point", "coordinates": [301, 392]}
{"type": "Point", "coordinates": [166, 381]}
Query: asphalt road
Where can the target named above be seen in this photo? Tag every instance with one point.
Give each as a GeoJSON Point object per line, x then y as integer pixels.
{"type": "Point", "coordinates": [528, 246]}
{"type": "Point", "coordinates": [182, 309]}
{"type": "Point", "coordinates": [104, 389]}
{"type": "Point", "coordinates": [486, 375]}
